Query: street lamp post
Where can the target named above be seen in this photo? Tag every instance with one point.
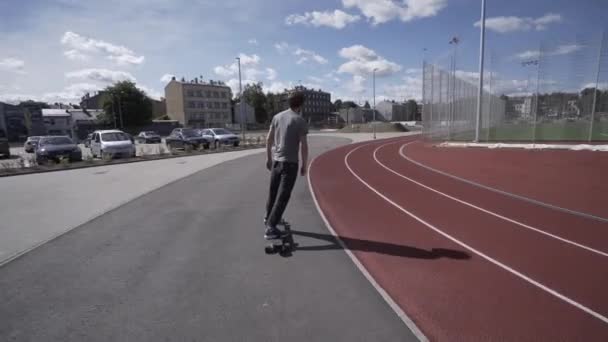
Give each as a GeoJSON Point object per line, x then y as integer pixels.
{"type": "Point", "coordinates": [374, 115]}
{"type": "Point", "coordinates": [482, 41]}
{"type": "Point", "coordinates": [241, 102]}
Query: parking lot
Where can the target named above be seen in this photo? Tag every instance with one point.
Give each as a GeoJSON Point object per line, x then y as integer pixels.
{"type": "Point", "coordinates": [19, 158]}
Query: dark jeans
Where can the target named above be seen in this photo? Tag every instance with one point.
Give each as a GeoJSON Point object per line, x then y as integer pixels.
{"type": "Point", "coordinates": [282, 179]}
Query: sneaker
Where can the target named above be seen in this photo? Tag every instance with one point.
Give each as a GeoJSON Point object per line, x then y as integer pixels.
{"type": "Point", "coordinates": [272, 233]}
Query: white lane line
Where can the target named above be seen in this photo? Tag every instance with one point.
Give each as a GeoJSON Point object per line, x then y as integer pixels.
{"type": "Point", "coordinates": [523, 198]}
{"type": "Point", "coordinates": [387, 298]}
{"type": "Point", "coordinates": [481, 254]}
{"type": "Point", "coordinates": [482, 209]}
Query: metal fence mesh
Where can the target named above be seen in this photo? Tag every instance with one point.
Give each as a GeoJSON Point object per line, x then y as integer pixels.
{"type": "Point", "coordinates": [557, 91]}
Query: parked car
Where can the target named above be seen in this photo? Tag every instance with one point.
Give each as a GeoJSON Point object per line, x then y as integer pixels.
{"type": "Point", "coordinates": [5, 148]}
{"type": "Point", "coordinates": [186, 138]}
{"type": "Point", "coordinates": [31, 144]}
{"type": "Point", "coordinates": [112, 143]}
{"type": "Point", "coordinates": [148, 137]}
{"type": "Point", "coordinates": [87, 141]}
{"type": "Point", "coordinates": [221, 136]}
{"type": "Point", "coordinates": [55, 148]}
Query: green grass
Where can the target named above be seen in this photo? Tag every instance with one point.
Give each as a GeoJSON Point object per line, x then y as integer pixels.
{"type": "Point", "coordinates": [563, 131]}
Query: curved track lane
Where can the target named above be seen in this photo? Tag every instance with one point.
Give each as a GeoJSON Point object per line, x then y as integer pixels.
{"type": "Point", "coordinates": [471, 274]}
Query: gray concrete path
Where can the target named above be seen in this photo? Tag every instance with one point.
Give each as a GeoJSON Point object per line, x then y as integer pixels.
{"type": "Point", "coordinates": [185, 262]}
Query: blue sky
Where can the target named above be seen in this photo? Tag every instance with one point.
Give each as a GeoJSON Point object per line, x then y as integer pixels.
{"type": "Point", "coordinates": [55, 50]}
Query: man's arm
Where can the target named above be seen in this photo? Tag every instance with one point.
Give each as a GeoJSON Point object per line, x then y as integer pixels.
{"type": "Point", "coordinates": [304, 151]}
{"type": "Point", "coordinates": [269, 144]}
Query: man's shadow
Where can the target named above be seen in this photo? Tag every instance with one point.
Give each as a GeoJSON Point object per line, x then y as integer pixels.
{"type": "Point", "coordinates": [378, 247]}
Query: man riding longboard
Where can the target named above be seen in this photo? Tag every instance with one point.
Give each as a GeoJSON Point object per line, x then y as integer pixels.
{"type": "Point", "coordinates": [286, 137]}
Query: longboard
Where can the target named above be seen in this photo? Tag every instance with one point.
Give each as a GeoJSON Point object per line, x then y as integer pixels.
{"type": "Point", "coordinates": [284, 244]}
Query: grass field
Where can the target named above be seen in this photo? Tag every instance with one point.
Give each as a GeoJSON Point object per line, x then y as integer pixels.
{"type": "Point", "coordinates": [567, 131]}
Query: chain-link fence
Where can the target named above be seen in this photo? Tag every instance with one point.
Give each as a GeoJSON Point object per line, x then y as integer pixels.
{"type": "Point", "coordinates": [557, 91]}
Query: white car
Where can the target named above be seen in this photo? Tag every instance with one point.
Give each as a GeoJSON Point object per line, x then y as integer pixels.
{"type": "Point", "coordinates": [221, 136]}
{"type": "Point", "coordinates": [112, 143]}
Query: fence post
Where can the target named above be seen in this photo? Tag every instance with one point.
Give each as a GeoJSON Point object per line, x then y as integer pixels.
{"type": "Point", "coordinates": [597, 80]}
{"type": "Point", "coordinates": [540, 55]}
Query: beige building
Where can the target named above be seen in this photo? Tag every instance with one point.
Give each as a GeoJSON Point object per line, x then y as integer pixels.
{"type": "Point", "coordinates": [199, 104]}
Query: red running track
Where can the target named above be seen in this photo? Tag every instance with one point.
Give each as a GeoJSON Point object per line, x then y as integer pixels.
{"type": "Point", "coordinates": [464, 263]}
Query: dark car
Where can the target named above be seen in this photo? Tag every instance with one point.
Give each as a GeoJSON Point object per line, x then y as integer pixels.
{"type": "Point", "coordinates": [31, 144]}
{"type": "Point", "coordinates": [148, 137]}
{"type": "Point", "coordinates": [56, 148]}
{"type": "Point", "coordinates": [186, 138]}
{"type": "Point", "coordinates": [5, 148]}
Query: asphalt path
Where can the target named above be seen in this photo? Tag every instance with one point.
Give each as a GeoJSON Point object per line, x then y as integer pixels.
{"type": "Point", "coordinates": [186, 262]}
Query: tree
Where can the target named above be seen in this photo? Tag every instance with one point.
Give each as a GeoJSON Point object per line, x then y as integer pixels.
{"type": "Point", "coordinates": [254, 96]}
{"type": "Point", "coordinates": [349, 104]}
{"type": "Point", "coordinates": [272, 104]}
{"type": "Point", "coordinates": [411, 110]}
{"type": "Point", "coordinates": [366, 105]}
{"type": "Point", "coordinates": [124, 97]}
{"type": "Point", "coordinates": [34, 104]}
{"type": "Point", "coordinates": [337, 105]}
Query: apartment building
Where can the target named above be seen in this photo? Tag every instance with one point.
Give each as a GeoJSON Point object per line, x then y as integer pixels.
{"type": "Point", "coordinates": [197, 103]}
{"type": "Point", "coordinates": [317, 104]}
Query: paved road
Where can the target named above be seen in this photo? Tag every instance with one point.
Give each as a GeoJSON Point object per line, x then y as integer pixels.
{"type": "Point", "coordinates": [186, 262]}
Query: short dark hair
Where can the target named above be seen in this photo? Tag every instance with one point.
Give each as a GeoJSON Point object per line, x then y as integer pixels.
{"type": "Point", "coordinates": [296, 100]}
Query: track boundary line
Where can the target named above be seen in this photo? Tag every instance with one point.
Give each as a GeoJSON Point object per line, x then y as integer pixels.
{"type": "Point", "coordinates": [502, 192]}
{"type": "Point", "coordinates": [387, 298]}
{"type": "Point", "coordinates": [481, 254]}
{"type": "Point", "coordinates": [521, 224]}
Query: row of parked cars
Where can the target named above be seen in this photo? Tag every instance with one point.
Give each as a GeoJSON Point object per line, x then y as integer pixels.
{"type": "Point", "coordinates": [116, 143]}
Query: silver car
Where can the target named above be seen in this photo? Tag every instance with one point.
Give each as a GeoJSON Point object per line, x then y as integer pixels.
{"type": "Point", "coordinates": [221, 136]}
{"type": "Point", "coordinates": [112, 143]}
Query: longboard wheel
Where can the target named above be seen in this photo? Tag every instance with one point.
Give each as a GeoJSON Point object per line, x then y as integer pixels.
{"type": "Point", "coordinates": [269, 250]}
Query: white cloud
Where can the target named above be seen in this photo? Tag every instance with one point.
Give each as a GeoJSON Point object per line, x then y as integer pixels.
{"type": "Point", "coordinates": [413, 71]}
{"type": "Point", "coordinates": [117, 53]}
{"type": "Point", "coordinates": [12, 64]}
{"type": "Point", "coordinates": [381, 11]}
{"type": "Point", "coordinates": [253, 41]}
{"type": "Point", "coordinates": [13, 98]}
{"type": "Point", "coordinates": [166, 78]}
{"type": "Point", "coordinates": [316, 79]}
{"type": "Point", "coordinates": [277, 87]}
{"type": "Point", "coordinates": [512, 23]}
{"type": "Point", "coordinates": [410, 88]}
{"type": "Point", "coordinates": [564, 49]}
{"type": "Point", "coordinates": [363, 61]}
{"type": "Point", "coordinates": [567, 49]}
{"type": "Point", "coordinates": [271, 74]}
{"type": "Point", "coordinates": [356, 85]}
{"type": "Point", "coordinates": [281, 47]}
{"type": "Point", "coordinates": [151, 92]}
{"type": "Point", "coordinates": [75, 55]}
{"type": "Point", "coordinates": [101, 75]}
{"type": "Point", "coordinates": [528, 54]}
{"type": "Point", "coordinates": [336, 19]}
{"type": "Point", "coordinates": [72, 93]}
{"type": "Point", "coordinates": [248, 64]}
{"type": "Point", "coordinates": [308, 55]}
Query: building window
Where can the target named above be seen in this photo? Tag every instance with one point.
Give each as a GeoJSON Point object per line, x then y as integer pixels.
{"type": "Point", "coordinates": [224, 104]}
{"type": "Point", "coordinates": [208, 93]}
{"type": "Point", "coordinates": [217, 115]}
{"type": "Point", "coordinates": [223, 95]}
{"type": "Point", "coordinates": [216, 94]}
{"type": "Point", "coordinates": [191, 104]}
{"type": "Point", "coordinates": [209, 105]}
{"type": "Point", "coordinates": [199, 93]}
{"type": "Point", "coordinates": [216, 105]}
{"type": "Point", "coordinates": [190, 93]}
{"type": "Point", "coordinates": [201, 104]}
